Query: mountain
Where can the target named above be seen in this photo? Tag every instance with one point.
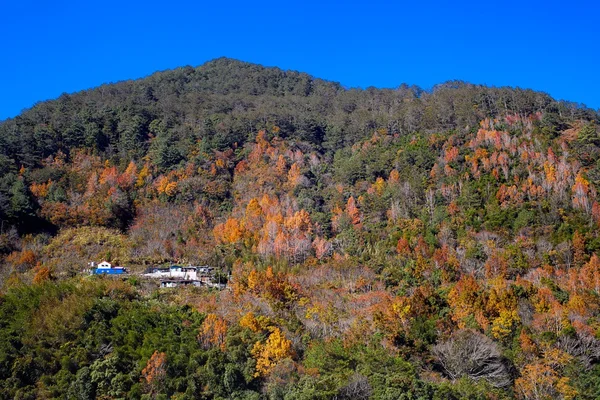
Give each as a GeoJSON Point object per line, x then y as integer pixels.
{"type": "Point", "coordinates": [377, 243]}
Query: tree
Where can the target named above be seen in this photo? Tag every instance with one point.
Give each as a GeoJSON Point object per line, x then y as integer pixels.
{"type": "Point", "coordinates": [155, 372]}
{"type": "Point", "coordinates": [268, 354]}
{"type": "Point", "coordinates": [471, 354]}
{"type": "Point", "coordinates": [578, 249]}
{"type": "Point", "coordinates": [465, 300]}
{"type": "Point", "coordinates": [213, 331]}
{"type": "Point", "coordinates": [357, 388]}
{"type": "Point", "coordinates": [21, 202]}
{"type": "Point", "coordinates": [540, 381]}
{"type": "Point", "coordinates": [229, 232]}
{"type": "Point", "coordinates": [163, 152]}
{"type": "Point", "coordinates": [132, 141]}
{"type": "Point", "coordinates": [353, 212]}
{"type": "Point", "coordinates": [82, 387]}
{"type": "Point", "coordinates": [42, 274]}
{"type": "Point", "coordinates": [102, 373]}
{"type": "Point", "coordinates": [589, 275]}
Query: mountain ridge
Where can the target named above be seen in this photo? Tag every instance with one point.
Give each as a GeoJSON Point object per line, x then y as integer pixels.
{"type": "Point", "coordinates": [375, 243]}
{"type": "Point", "coordinates": [243, 97]}
{"type": "Point", "coordinates": [219, 62]}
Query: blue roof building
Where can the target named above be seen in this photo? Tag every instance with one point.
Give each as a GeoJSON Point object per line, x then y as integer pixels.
{"type": "Point", "coordinates": [106, 268]}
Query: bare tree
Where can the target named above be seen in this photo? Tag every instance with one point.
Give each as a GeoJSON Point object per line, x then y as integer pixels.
{"type": "Point", "coordinates": [469, 353]}
{"type": "Point", "coordinates": [357, 388]}
{"type": "Point", "coordinates": [585, 348]}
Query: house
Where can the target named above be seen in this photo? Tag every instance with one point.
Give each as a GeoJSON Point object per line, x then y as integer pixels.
{"type": "Point", "coordinates": [174, 271]}
{"type": "Point", "coordinates": [106, 268]}
{"type": "Point", "coordinates": [157, 272]}
{"type": "Point", "coordinates": [169, 283]}
{"type": "Point", "coordinates": [186, 273]}
{"type": "Point", "coordinates": [178, 275]}
{"type": "Point", "coordinates": [189, 273]}
{"type": "Point", "coordinates": [205, 270]}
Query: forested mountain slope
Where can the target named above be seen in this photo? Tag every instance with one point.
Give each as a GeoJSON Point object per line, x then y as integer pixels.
{"type": "Point", "coordinates": [380, 242]}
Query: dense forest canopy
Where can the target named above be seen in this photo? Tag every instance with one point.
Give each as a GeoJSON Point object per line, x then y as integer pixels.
{"type": "Point", "coordinates": [378, 243]}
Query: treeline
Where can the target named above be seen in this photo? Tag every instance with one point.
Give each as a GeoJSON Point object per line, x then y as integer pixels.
{"type": "Point", "coordinates": [226, 101]}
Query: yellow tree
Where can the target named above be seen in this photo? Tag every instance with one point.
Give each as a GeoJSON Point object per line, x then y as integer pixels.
{"type": "Point", "coordinates": [254, 215]}
{"type": "Point", "coordinates": [165, 186]}
{"type": "Point", "coordinates": [542, 380]}
{"type": "Point", "coordinates": [580, 191]}
{"type": "Point", "coordinates": [143, 176]}
{"type": "Point", "coordinates": [213, 331]}
{"type": "Point", "coordinates": [465, 300]}
{"type": "Point", "coordinates": [268, 354]}
{"type": "Point", "coordinates": [254, 323]}
{"type": "Point", "coordinates": [229, 232]}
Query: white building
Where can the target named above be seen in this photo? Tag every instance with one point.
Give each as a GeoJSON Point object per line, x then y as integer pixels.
{"type": "Point", "coordinates": [185, 273]}
{"type": "Point", "coordinates": [189, 273]}
{"type": "Point", "coordinates": [104, 265]}
{"type": "Point", "coordinates": [105, 268]}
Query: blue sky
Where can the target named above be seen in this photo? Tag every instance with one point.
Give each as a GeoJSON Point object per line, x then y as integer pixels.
{"type": "Point", "coordinates": [64, 46]}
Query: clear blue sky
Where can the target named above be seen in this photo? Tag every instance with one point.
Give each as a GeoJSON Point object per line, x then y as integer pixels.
{"type": "Point", "coordinates": [48, 48]}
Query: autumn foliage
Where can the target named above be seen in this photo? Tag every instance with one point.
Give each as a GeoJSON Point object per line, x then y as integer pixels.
{"type": "Point", "coordinates": [155, 371]}
{"type": "Point", "coordinates": [374, 244]}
